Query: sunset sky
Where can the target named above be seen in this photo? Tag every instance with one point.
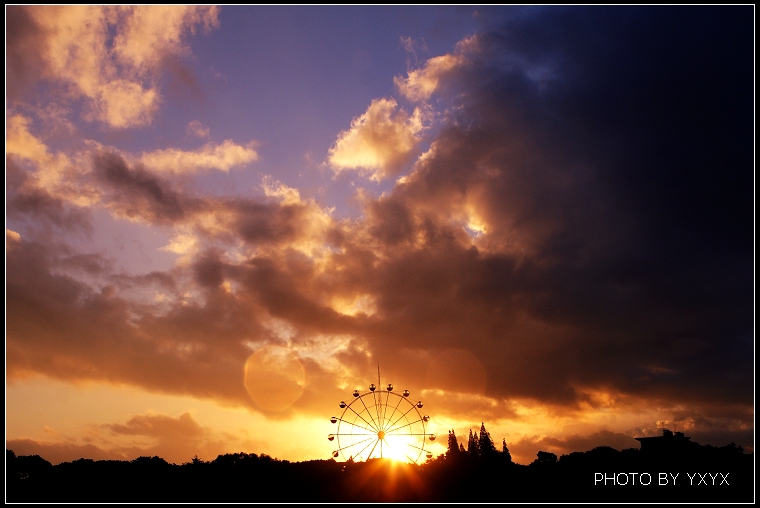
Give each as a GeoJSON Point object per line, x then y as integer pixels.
{"type": "Point", "coordinates": [540, 218]}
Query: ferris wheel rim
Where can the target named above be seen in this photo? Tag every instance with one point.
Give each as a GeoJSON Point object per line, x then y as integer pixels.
{"type": "Point", "coordinates": [379, 423]}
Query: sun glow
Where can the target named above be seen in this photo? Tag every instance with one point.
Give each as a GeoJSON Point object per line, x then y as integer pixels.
{"type": "Point", "coordinates": [395, 448]}
{"type": "Point", "coordinates": [354, 305]}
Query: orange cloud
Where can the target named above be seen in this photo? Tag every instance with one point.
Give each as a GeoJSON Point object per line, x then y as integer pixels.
{"type": "Point", "coordinates": [421, 83]}
{"type": "Point", "coordinates": [118, 82]}
{"type": "Point", "coordinates": [379, 142]}
{"type": "Point", "coordinates": [221, 157]}
{"type": "Point", "coordinates": [175, 439]}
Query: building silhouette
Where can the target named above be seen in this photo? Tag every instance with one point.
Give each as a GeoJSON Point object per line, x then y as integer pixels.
{"type": "Point", "coordinates": [667, 444]}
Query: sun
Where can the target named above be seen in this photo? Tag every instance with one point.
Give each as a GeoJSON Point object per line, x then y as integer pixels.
{"type": "Point", "coordinates": [395, 448]}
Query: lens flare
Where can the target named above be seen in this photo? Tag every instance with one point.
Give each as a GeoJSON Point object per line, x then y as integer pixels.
{"type": "Point", "coordinates": [274, 378]}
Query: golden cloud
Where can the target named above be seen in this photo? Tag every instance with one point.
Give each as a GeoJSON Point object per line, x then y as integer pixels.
{"type": "Point", "coordinates": [421, 83]}
{"type": "Point", "coordinates": [221, 157]}
{"type": "Point", "coordinates": [380, 141]}
{"type": "Point", "coordinates": [118, 82]}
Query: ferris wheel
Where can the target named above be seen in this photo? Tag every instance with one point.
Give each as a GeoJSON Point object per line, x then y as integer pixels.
{"type": "Point", "coordinates": [381, 423]}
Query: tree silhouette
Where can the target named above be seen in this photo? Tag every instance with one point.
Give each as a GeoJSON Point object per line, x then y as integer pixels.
{"type": "Point", "coordinates": [248, 477]}
{"type": "Point", "coordinates": [473, 448]}
{"type": "Point", "coordinates": [545, 458]}
{"type": "Point", "coordinates": [453, 448]}
{"type": "Point", "coordinates": [485, 444]}
{"type": "Point", "coordinates": [505, 451]}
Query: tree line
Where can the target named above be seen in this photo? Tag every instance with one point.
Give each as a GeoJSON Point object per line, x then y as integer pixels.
{"type": "Point", "coordinates": [478, 472]}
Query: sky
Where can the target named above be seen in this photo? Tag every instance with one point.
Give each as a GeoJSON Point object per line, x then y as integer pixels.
{"type": "Point", "coordinates": [220, 220]}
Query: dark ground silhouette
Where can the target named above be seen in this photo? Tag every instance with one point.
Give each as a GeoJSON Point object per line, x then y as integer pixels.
{"type": "Point", "coordinates": [479, 474]}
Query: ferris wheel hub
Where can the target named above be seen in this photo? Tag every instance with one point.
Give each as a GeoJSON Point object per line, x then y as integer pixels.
{"type": "Point", "coordinates": [381, 435]}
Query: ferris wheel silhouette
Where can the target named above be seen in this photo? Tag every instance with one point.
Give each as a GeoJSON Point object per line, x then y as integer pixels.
{"type": "Point", "coordinates": [381, 424]}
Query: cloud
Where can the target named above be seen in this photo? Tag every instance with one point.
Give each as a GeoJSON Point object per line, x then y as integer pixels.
{"type": "Point", "coordinates": [24, 50]}
{"type": "Point", "coordinates": [421, 83]}
{"type": "Point", "coordinates": [583, 443]}
{"type": "Point", "coordinates": [146, 34]}
{"type": "Point", "coordinates": [196, 128]}
{"type": "Point", "coordinates": [21, 142]}
{"type": "Point", "coordinates": [57, 452]}
{"type": "Point", "coordinates": [110, 56]}
{"type": "Point", "coordinates": [210, 156]}
{"type": "Point", "coordinates": [160, 426]}
{"type": "Point", "coordinates": [40, 174]}
{"type": "Point", "coordinates": [176, 439]}
{"type": "Point", "coordinates": [135, 193]}
{"type": "Point", "coordinates": [583, 242]}
{"type": "Point", "coordinates": [525, 450]}
{"type": "Point", "coordinates": [522, 237]}
{"type": "Point", "coordinates": [39, 208]}
{"type": "Point", "coordinates": [11, 236]}
{"type": "Point", "coordinates": [380, 142]}
{"type": "Point", "coordinates": [201, 329]}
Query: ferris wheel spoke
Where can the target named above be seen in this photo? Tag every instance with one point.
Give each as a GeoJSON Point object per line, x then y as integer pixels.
{"type": "Point", "coordinates": [356, 425]}
{"type": "Point", "coordinates": [373, 449]}
{"type": "Point", "coordinates": [375, 396]}
{"type": "Point", "coordinates": [362, 450]}
{"type": "Point", "coordinates": [395, 408]}
{"type": "Point", "coordinates": [408, 424]}
{"type": "Point", "coordinates": [373, 429]}
{"type": "Point", "coordinates": [355, 443]}
{"type": "Point", "coordinates": [376, 426]}
{"type": "Point", "coordinates": [413, 446]}
{"type": "Point", "coordinates": [400, 417]}
{"type": "Point", "coordinates": [351, 434]}
{"type": "Point", "coordinates": [385, 408]}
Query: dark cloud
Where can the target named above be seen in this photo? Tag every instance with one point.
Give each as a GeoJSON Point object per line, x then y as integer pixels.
{"type": "Point", "coordinates": [602, 186]}
{"type": "Point", "coordinates": [525, 450]}
{"type": "Point", "coordinates": [24, 49]}
{"type": "Point", "coordinates": [45, 208]}
{"type": "Point", "coordinates": [174, 439]}
{"type": "Point", "coordinates": [37, 207]}
{"type": "Point", "coordinates": [181, 80]}
{"type": "Point", "coordinates": [67, 330]}
{"type": "Point", "coordinates": [158, 426]}
{"type": "Point", "coordinates": [208, 270]}
{"type": "Point", "coordinates": [59, 452]}
{"type": "Point", "coordinates": [138, 194]}
{"type": "Point", "coordinates": [583, 443]}
{"type": "Point", "coordinates": [267, 223]}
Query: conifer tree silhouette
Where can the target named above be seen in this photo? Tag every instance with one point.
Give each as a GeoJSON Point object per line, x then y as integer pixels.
{"type": "Point", "coordinates": [453, 449]}
{"type": "Point", "coordinates": [485, 443]}
{"type": "Point", "coordinates": [473, 447]}
{"type": "Point", "coordinates": [470, 444]}
{"type": "Point", "coordinates": [505, 451]}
